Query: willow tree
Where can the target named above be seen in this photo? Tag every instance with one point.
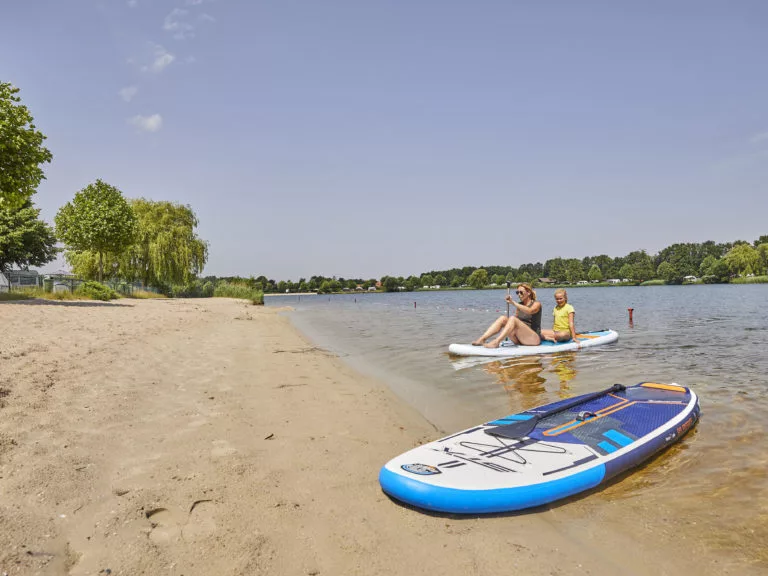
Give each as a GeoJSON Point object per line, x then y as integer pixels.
{"type": "Point", "coordinates": [21, 150]}
{"type": "Point", "coordinates": [167, 250]}
{"type": "Point", "coordinates": [98, 220]}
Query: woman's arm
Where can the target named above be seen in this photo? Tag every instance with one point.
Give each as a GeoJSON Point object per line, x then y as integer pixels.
{"type": "Point", "coordinates": [532, 309]}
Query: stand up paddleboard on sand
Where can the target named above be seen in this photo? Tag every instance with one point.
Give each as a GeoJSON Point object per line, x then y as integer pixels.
{"type": "Point", "coordinates": [585, 340]}
{"type": "Point", "coordinates": [543, 454]}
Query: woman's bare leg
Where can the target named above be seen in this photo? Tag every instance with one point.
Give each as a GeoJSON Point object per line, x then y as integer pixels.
{"type": "Point", "coordinates": [497, 325]}
{"type": "Point", "coordinates": [518, 332]}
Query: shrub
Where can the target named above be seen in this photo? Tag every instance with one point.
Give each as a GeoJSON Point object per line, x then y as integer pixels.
{"type": "Point", "coordinates": [208, 289]}
{"type": "Point", "coordinates": [227, 290]}
{"type": "Point", "coordinates": [96, 291]}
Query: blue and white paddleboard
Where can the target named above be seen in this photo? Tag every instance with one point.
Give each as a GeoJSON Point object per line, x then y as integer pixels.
{"type": "Point", "coordinates": [585, 340]}
{"type": "Point", "coordinates": [543, 454]}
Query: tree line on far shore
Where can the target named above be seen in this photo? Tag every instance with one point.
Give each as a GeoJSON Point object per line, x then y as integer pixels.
{"type": "Point", "coordinates": [708, 262]}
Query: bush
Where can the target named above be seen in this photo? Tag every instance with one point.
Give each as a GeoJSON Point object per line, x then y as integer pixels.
{"type": "Point", "coordinates": [750, 280]}
{"type": "Point", "coordinates": [96, 291]}
{"type": "Point", "coordinates": [227, 290]}
{"type": "Point", "coordinates": [208, 289]}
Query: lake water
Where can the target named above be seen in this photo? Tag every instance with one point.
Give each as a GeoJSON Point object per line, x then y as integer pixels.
{"type": "Point", "coordinates": [712, 338]}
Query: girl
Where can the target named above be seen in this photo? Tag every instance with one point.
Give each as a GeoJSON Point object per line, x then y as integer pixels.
{"type": "Point", "coordinates": [563, 328]}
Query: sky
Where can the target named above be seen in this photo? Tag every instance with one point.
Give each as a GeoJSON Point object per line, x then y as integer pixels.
{"type": "Point", "coordinates": [360, 139]}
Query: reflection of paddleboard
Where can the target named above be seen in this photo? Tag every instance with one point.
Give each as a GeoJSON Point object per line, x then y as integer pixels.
{"type": "Point", "coordinates": [584, 442]}
{"type": "Point", "coordinates": [585, 340]}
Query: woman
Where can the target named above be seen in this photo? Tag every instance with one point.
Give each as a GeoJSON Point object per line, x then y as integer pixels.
{"type": "Point", "coordinates": [522, 328]}
{"type": "Point", "coordinates": [563, 328]}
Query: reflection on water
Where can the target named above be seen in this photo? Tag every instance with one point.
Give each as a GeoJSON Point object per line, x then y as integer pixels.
{"type": "Point", "coordinates": [712, 487]}
{"type": "Point", "coordinates": [523, 376]}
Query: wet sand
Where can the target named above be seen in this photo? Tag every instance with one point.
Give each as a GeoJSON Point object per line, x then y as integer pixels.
{"type": "Point", "coordinates": [190, 437]}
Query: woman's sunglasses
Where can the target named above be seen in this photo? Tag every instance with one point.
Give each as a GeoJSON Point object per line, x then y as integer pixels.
{"type": "Point", "coordinates": [521, 292]}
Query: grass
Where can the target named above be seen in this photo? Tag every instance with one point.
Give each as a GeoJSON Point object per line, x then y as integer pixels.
{"type": "Point", "coordinates": [144, 294]}
{"type": "Point", "coordinates": [750, 280]}
{"type": "Point", "coordinates": [653, 283]}
{"type": "Point", "coordinates": [6, 296]}
{"type": "Point", "coordinates": [227, 290]}
{"type": "Point", "coordinates": [41, 293]}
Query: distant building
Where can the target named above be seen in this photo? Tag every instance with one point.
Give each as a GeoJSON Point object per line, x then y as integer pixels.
{"type": "Point", "coordinates": [547, 281]}
{"type": "Point", "coordinates": [18, 279]}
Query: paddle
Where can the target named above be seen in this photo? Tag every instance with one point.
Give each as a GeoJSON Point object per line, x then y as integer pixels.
{"type": "Point", "coordinates": [522, 428]}
{"type": "Point", "coordinates": [507, 297]}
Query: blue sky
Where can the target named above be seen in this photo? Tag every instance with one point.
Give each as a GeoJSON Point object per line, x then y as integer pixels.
{"type": "Point", "coordinates": [363, 138]}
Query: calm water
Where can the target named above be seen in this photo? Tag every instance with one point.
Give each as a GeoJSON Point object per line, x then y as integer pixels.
{"type": "Point", "coordinates": [714, 485]}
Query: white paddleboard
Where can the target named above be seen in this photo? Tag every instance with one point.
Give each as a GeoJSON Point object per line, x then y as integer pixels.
{"type": "Point", "coordinates": [585, 340]}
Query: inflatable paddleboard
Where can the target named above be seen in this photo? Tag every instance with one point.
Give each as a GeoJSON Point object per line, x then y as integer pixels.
{"type": "Point", "coordinates": [585, 340]}
{"type": "Point", "coordinates": [543, 454]}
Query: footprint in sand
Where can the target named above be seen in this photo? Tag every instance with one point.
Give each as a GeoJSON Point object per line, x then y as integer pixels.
{"type": "Point", "coordinates": [222, 448]}
{"type": "Point", "coordinates": [201, 523]}
{"type": "Point", "coordinates": [169, 526]}
{"type": "Point", "coordinates": [165, 527]}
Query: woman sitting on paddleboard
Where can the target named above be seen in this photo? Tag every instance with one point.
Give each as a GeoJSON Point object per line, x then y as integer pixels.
{"type": "Point", "coordinates": [522, 328]}
{"type": "Point", "coordinates": [563, 328]}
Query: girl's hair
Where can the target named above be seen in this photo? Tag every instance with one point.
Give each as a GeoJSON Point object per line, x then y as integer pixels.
{"type": "Point", "coordinates": [563, 292]}
{"type": "Point", "coordinates": [530, 290]}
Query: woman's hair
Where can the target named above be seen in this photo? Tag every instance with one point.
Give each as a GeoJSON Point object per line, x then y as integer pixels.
{"type": "Point", "coordinates": [563, 292]}
{"type": "Point", "coordinates": [530, 290]}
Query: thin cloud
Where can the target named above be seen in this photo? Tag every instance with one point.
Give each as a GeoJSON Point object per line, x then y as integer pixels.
{"type": "Point", "coordinates": [162, 59]}
{"type": "Point", "coordinates": [194, 2]}
{"type": "Point", "coordinates": [128, 93]}
{"type": "Point", "coordinates": [147, 123]}
{"type": "Point", "coordinates": [133, 3]}
{"type": "Point", "coordinates": [757, 138]}
{"type": "Point", "coordinates": [206, 17]}
{"type": "Point", "coordinates": [176, 22]}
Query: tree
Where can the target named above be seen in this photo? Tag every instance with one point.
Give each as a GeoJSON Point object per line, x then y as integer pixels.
{"type": "Point", "coordinates": [25, 240]}
{"type": "Point", "coordinates": [98, 220]}
{"type": "Point", "coordinates": [762, 252]}
{"type": "Point", "coordinates": [742, 259]}
{"type": "Point", "coordinates": [21, 150]}
{"type": "Point", "coordinates": [595, 275]}
{"type": "Point", "coordinates": [440, 280]}
{"type": "Point", "coordinates": [668, 273]}
{"type": "Point", "coordinates": [626, 272]}
{"type": "Point", "coordinates": [478, 278]}
{"type": "Point", "coordinates": [166, 250]}
{"type": "Point", "coordinates": [573, 270]}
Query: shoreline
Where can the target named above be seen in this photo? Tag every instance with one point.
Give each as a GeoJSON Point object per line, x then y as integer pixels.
{"type": "Point", "coordinates": [209, 436]}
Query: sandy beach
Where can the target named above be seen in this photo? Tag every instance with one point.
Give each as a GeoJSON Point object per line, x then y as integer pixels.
{"type": "Point", "coordinates": [209, 437]}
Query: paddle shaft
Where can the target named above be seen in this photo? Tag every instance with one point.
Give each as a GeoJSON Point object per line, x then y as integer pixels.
{"type": "Point", "coordinates": [507, 301]}
{"type": "Point", "coordinates": [520, 429]}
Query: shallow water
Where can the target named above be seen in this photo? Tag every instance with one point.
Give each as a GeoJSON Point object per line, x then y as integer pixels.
{"type": "Point", "coordinates": [712, 487]}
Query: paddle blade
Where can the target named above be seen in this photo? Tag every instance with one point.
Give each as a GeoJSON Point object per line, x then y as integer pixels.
{"type": "Point", "coordinates": [514, 431]}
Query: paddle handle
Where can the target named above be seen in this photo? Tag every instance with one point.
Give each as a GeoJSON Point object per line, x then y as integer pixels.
{"type": "Point", "coordinates": [507, 300]}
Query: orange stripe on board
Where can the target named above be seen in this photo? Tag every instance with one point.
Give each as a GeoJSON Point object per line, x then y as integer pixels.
{"type": "Point", "coordinates": [670, 387]}
{"type": "Point", "coordinates": [587, 336]}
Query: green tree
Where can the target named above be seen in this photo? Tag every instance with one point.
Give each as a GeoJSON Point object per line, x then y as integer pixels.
{"type": "Point", "coordinates": [742, 259]}
{"type": "Point", "coordinates": [166, 249]}
{"type": "Point", "coordinates": [440, 280]}
{"type": "Point", "coordinates": [668, 273]}
{"type": "Point", "coordinates": [98, 220]}
{"type": "Point", "coordinates": [427, 280]}
{"type": "Point", "coordinates": [705, 269]}
{"type": "Point", "coordinates": [595, 275]}
{"type": "Point", "coordinates": [389, 283]}
{"type": "Point", "coordinates": [642, 265]}
{"type": "Point", "coordinates": [626, 272]}
{"type": "Point", "coordinates": [25, 240]}
{"type": "Point", "coordinates": [762, 252]}
{"type": "Point", "coordinates": [21, 150]}
{"type": "Point", "coordinates": [573, 270]}
{"type": "Point", "coordinates": [478, 278]}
